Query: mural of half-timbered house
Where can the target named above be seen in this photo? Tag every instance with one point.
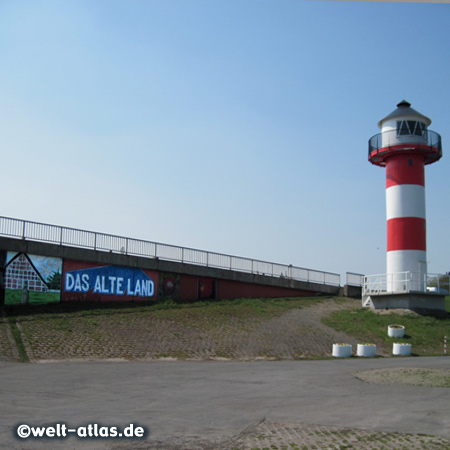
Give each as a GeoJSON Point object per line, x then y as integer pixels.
{"type": "Point", "coordinates": [21, 273]}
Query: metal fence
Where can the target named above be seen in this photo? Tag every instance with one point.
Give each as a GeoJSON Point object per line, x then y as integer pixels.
{"type": "Point", "coordinates": [405, 282]}
{"type": "Point", "coordinates": [354, 279]}
{"type": "Point", "coordinates": [34, 231]}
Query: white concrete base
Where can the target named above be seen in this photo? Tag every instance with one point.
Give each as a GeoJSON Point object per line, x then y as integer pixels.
{"type": "Point", "coordinates": [411, 300]}
{"type": "Point", "coordinates": [397, 331]}
{"type": "Point", "coordinates": [401, 349]}
{"type": "Point", "coordinates": [367, 350]}
{"type": "Point", "coordinates": [342, 350]}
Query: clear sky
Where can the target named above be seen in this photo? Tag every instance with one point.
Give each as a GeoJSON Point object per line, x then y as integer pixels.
{"type": "Point", "coordinates": [239, 127]}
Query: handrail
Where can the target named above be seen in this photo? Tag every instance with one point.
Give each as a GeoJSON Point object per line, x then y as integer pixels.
{"type": "Point", "coordinates": [387, 139]}
{"type": "Point", "coordinates": [405, 282]}
{"type": "Point", "coordinates": [354, 279]}
{"type": "Point", "coordinates": [35, 231]}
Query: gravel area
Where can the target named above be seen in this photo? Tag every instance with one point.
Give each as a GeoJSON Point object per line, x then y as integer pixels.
{"type": "Point", "coordinates": [408, 376]}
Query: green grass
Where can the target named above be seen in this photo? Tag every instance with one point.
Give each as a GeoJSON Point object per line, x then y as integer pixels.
{"type": "Point", "coordinates": [243, 308]}
{"type": "Point", "coordinates": [425, 333]}
{"type": "Point", "coordinates": [14, 297]}
{"type": "Point", "coordinates": [23, 357]}
{"type": "Point", "coordinates": [208, 315]}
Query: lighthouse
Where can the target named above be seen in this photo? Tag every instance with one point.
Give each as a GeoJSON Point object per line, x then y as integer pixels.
{"type": "Point", "coordinates": [404, 147]}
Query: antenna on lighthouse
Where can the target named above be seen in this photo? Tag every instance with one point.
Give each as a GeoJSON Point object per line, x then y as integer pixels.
{"type": "Point", "coordinates": [404, 146]}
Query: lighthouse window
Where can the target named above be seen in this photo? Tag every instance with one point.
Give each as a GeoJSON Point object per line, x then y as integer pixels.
{"type": "Point", "coordinates": [402, 128]}
{"type": "Point", "coordinates": [411, 128]}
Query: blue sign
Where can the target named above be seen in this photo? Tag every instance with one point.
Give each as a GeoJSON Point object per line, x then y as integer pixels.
{"type": "Point", "coordinates": [110, 280]}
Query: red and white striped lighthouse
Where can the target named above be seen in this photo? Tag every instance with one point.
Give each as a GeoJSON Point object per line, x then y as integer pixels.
{"type": "Point", "coordinates": [404, 147]}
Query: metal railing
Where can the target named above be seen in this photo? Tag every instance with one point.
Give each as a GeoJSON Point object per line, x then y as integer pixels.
{"type": "Point", "coordinates": [22, 229]}
{"type": "Point", "coordinates": [354, 279]}
{"type": "Point", "coordinates": [430, 139]}
{"type": "Point", "coordinates": [405, 282]}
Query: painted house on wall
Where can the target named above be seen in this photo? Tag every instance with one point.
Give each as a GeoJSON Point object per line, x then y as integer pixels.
{"type": "Point", "coordinates": [21, 272]}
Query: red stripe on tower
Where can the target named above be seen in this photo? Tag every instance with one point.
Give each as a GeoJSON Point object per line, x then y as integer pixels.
{"type": "Point", "coordinates": [405, 169]}
{"type": "Point", "coordinates": [406, 233]}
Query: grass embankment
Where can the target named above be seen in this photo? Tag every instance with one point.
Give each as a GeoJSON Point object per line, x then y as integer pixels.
{"type": "Point", "coordinates": [93, 326]}
{"type": "Point", "coordinates": [195, 310]}
{"type": "Point", "coordinates": [141, 330]}
{"type": "Point", "coordinates": [425, 333]}
{"type": "Point", "coordinates": [207, 315]}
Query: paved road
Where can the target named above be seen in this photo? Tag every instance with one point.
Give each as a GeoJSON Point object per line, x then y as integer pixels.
{"type": "Point", "coordinates": [213, 400]}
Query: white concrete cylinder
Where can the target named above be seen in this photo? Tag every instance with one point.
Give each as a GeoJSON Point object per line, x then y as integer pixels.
{"type": "Point", "coordinates": [397, 331]}
{"type": "Point", "coordinates": [367, 350]}
{"type": "Point", "coordinates": [401, 349]}
{"type": "Point", "coordinates": [342, 350]}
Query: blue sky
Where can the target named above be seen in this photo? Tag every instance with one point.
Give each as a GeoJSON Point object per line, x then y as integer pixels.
{"type": "Point", "coordinates": [239, 127]}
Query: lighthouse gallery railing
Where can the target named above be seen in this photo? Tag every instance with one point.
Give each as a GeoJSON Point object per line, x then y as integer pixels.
{"type": "Point", "coordinates": [388, 138]}
{"type": "Point", "coordinates": [35, 231]}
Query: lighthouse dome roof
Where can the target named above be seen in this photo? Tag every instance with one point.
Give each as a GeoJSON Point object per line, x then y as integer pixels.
{"type": "Point", "coordinates": [405, 111]}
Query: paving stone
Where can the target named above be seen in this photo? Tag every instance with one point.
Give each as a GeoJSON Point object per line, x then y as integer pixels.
{"type": "Point", "coordinates": [269, 435]}
{"type": "Point", "coordinates": [296, 334]}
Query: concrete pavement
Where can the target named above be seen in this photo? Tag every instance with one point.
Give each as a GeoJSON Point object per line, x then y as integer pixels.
{"type": "Point", "coordinates": [213, 401]}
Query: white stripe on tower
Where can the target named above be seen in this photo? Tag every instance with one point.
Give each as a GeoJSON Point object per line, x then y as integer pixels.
{"type": "Point", "coordinates": [405, 200]}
